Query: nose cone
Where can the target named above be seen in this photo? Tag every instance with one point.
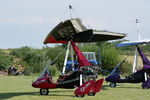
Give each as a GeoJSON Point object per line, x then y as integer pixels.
{"type": "Point", "coordinates": [112, 78]}
{"type": "Point", "coordinates": [107, 79]}
{"type": "Point", "coordinates": [35, 84]}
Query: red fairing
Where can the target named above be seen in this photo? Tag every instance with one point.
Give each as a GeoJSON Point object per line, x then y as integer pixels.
{"type": "Point", "coordinates": [97, 86]}
{"type": "Point", "coordinates": [44, 82]}
{"type": "Point", "coordinates": [89, 87]}
{"type": "Point", "coordinates": [82, 60]}
{"type": "Point", "coordinates": [84, 88]}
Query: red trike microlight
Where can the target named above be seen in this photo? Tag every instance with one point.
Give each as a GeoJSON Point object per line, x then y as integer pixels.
{"type": "Point", "coordinates": [84, 78]}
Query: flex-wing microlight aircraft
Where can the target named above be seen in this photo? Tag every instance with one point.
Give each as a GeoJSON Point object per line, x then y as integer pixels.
{"type": "Point", "coordinates": [73, 31]}
{"type": "Point", "coordinates": [140, 76]}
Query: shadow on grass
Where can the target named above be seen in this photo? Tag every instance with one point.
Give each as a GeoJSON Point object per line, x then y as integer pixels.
{"type": "Point", "coordinates": [61, 95]}
{"type": "Point", "coordinates": [10, 95]}
{"type": "Point", "coordinates": [105, 87]}
{"type": "Point", "coordinates": [130, 87]}
{"type": "Point", "coordinates": [61, 91]}
{"type": "Point", "coordinates": [51, 93]}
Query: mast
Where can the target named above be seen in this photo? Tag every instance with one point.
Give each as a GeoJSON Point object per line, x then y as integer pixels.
{"type": "Point", "coordinates": [138, 29]}
{"type": "Point", "coordinates": [135, 63]}
{"type": "Point", "coordinates": [66, 58]}
{"type": "Point", "coordinates": [70, 10]}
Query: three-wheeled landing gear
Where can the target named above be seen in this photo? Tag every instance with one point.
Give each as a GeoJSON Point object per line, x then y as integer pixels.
{"type": "Point", "coordinates": [112, 85]}
{"type": "Point", "coordinates": [44, 91]}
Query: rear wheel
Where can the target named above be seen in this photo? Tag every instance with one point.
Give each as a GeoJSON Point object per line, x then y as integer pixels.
{"type": "Point", "coordinates": [80, 96]}
{"type": "Point", "coordinates": [44, 91]}
{"type": "Point", "coordinates": [91, 94]}
{"type": "Point", "coordinates": [112, 85]}
{"type": "Point", "coordinates": [145, 87]}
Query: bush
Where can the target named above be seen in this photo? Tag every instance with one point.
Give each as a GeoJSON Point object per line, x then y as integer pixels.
{"type": "Point", "coordinates": [21, 52]}
{"type": "Point", "coordinates": [5, 60]}
{"type": "Point", "coordinates": [28, 70]}
{"type": "Point", "coordinates": [36, 59]}
{"type": "Point", "coordinates": [33, 59]}
{"type": "Point", "coordinates": [109, 56]}
{"type": "Point", "coordinates": [59, 52]}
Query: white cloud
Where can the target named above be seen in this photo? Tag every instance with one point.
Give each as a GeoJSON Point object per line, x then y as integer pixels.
{"type": "Point", "coordinates": [29, 20]}
{"type": "Point", "coordinates": [37, 19]}
{"type": "Point", "coordinates": [8, 20]}
{"type": "Point", "coordinates": [96, 23]}
{"type": "Point", "coordinates": [41, 19]}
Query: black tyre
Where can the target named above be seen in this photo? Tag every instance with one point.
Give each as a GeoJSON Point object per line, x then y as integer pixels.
{"type": "Point", "coordinates": [91, 94]}
{"type": "Point", "coordinates": [145, 87]}
{"type": "Point", "coordinates": [44, 91]}
{"type": "Point", "coordinates": [112, 85]}
{"type": "Point", "coordinates": [80, 96]}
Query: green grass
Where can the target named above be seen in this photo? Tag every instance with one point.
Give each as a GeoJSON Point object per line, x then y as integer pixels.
{"type": "Point", "coordinates": [19, 88]}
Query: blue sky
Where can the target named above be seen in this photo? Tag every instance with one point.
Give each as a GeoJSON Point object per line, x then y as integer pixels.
{"type": "Point", "coordinates": [27, 22]}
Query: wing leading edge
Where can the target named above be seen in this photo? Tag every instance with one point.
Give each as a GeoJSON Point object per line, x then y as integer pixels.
{"type": "Point", "coordinates": [132, 43]}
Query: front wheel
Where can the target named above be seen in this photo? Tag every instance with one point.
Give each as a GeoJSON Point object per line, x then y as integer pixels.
{"type": "Point", "coordinates": [112, 85]}
{"type": "Point", "coordinates": [44, 91]}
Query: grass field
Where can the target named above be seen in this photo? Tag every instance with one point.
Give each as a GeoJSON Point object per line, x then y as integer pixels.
{"type": "Point", "coordinates": [19, 88]}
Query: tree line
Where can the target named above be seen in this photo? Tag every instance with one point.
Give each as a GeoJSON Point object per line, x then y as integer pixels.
{"type": "Point", "coordinates": [30, 60]}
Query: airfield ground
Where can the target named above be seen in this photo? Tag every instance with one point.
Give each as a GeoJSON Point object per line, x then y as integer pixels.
{"type": "Point", "coordinates": [19, 88]}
